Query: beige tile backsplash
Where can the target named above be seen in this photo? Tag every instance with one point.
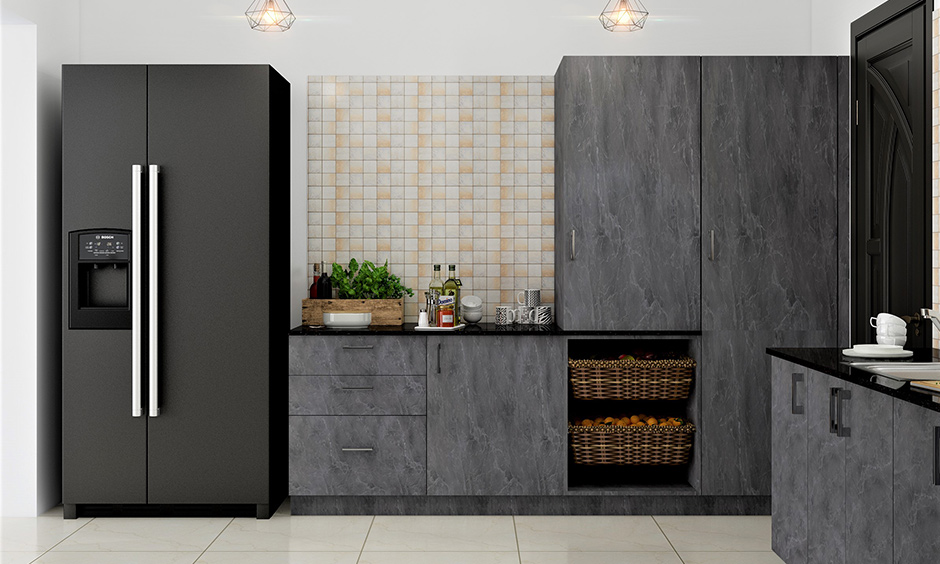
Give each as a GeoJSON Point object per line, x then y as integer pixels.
{"type": "Point", "coordinates": [419, 170]}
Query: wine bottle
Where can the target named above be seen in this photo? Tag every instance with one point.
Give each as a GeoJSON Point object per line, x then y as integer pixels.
{"type": "Point", "coordinates": [316, 278]}
{"type": "Point", "coordinates": [324, 286]}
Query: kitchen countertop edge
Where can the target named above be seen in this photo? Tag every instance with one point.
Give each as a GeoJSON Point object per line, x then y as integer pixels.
{"type": "Point", "coordinates": [481, 329]}
{"type": "Point", "coordinates": [829, 361]}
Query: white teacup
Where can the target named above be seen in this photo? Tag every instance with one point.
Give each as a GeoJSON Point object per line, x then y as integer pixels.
{"type": "Point", "coordinates": [897, 341]}
{"type": "Point", "coordinates": [891, 331]}
{"type": "Point", "coordinates": [886, 319]}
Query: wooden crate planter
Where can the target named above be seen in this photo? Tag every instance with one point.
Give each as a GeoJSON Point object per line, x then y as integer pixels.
{"type": "Point", "coordinates": [384, 312]}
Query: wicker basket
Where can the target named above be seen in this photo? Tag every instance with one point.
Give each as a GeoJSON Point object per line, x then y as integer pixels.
{"type": "Point", "coordinates": [640, 446]}
{"type": "Point", "coordinates": [631, 379]}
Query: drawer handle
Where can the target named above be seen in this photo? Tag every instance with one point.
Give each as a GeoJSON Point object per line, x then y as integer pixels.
{"type": "Point", "coordinates": [843, 430]}
{"type": "Point", "coordinates": [795, 408]}
{"type": "Point", "coordinates": [833, 400]}
{"type": "Point", "coordinates": [358, 449]}
{"type": "Point", "coordinates": [359, 389]}
{"type": "Point", "coordinates": [357, 347]}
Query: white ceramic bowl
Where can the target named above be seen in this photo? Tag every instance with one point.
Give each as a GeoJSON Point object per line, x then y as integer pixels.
{"type": "Point", "coordinates": [347, 320]}
{"type": "Point", "coordinates": [471, 302]}
{"type": "Point", "coordinates": [891, 331]}
{"type": "Point", "coordinates": [897, 341]}
{"type": "Point", "coordinates": [472, 316]}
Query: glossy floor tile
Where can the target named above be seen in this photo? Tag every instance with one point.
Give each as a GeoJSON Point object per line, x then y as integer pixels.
{"type": "Point", "coordinates": [54, 557]}
{"type": "Point", "coordinates": [730, 558]}
{"type": "Point", "coordinates": [439, 558]}
{"type": "Point", "coordinates": [278, 558]}
{"type": "Point", "coordinates": [441, 533]}
{"type": "Point", "coordinates": [35, 534]}
{"type": "Point", "coordinates": [600, 558]}
{"type": "Point", "coordinates": [590, 534]}
{"type": "Point", "coordinates": [18, 557]}
{"type": "Point", "coordinates": [294, 534]}
{"type": "Point", "coordinates": [144, 535]}
{"type": "Point", "coordinates": [717, 533]}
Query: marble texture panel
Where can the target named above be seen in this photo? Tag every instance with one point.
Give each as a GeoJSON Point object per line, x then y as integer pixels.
{"type": "Point", "coordinates": [357, 355]}
{"type": "Point", "coordinates": [144, 535]}
{"type": "Point", "coordinates": [293, 534]}
{"type": "Point", "coordinates": [730, 558]}
{"type": "Point", "coordinates": [590, 534]}
{"type": "Point", "coordinates": [844, 196]}
{"type": "Point", "coordinates": [769, 191]}
{"type": "Point", "coordinates": [530, 505]}
{"type": "Point", "coordinates": [320, 462]}
{"type": "Point", "coordinates": [496, 416]}
{"type": "Point", "coordinates": [826, 487]}
{"type": "Point", "coordinates": [726, 533]}
{"type": "Point", "coordinates": [916, 493]}
{"type": "Point", "coordinates": [735, 423]}
{"type": "Point", "coordinates": [789, 477]}
{"type": "Point", "coordinates": [869, 487]}
{"type": "Point", "coordinates": [451, 533]}
{"type": "Point", "coordinates": [631, 195]}
{"type": "Point", "coordinates": [357, 395]}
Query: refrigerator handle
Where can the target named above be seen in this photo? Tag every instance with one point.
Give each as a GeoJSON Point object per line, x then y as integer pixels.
{"type": "Point", "coordinates": [136, 257]}
{"type": "Point", "coordinates": [153, 291]}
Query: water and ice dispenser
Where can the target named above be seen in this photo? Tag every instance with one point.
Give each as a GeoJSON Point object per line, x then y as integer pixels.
{"type": "Point", "coordinates": [100, 279]}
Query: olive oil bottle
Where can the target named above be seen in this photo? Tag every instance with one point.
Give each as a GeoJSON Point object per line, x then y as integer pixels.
{"type": "Point", "coordinates": [437, 285]}
{"type": "Point", "coordinates": [452, 288]}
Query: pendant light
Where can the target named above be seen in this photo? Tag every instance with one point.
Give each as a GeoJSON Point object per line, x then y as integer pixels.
{"type": "Point", "coordinates": [269, 15]}
{"type": "Point", "coordinates": [624, 15]}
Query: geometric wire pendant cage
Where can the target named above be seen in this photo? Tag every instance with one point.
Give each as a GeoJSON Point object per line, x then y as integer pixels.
{"type": "Point", "coordinates": [624, 15]}
{"type": "Point", "coordinates": [269, 15]}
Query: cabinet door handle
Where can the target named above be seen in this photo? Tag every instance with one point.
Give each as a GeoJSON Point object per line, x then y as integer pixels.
{"type": "Point", "coordinates": [438, 358]}
{"type": "Point", "coordinates": [795, 409]}
{"type": "Point", "coordinates": [572, 245]}
{"type": "Point", "coordinates": [843, 396]}
{"type": "Point", "coordinates": [936, 456]}
{"type": "Point", "coordinates": [358, 347]}
{"type": "Point", "coordinates": [711, 254]}
{"type": "Point", "coordinates": [833, 400]}
{"type": "Point", "coordinates": [357, 389]}
{"type": "Point", "coordinates": [358, 449]}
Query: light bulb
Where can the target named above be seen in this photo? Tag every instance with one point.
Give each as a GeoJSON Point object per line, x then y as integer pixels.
{"type": "Point", "coordinates": [271, 13]}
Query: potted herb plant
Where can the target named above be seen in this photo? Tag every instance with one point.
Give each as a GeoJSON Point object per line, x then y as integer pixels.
{"type": "Point", "coordinates": [362, 288]}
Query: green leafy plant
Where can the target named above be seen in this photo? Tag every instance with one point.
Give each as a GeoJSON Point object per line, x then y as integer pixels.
{"type": "Point", "coordinates": [366, 281]}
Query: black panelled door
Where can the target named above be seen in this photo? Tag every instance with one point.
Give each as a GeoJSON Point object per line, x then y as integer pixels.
{"type": "Point", "coordinates": [891, 160]}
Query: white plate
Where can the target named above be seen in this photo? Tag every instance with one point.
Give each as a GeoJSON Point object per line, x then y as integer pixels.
{"type": "Point", "coordinates": [884, 354]}
{"type": "Point", "coordinates": [347, 320]}
{"type": "Point", "coordinates": [461, 326]}
{"type": "Point", "coordinates": [877, 349]}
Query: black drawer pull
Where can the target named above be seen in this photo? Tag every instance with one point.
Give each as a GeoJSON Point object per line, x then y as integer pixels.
{"type": "Point", "coordinates": [357, 347]}
{"type": "Point", "coordinates": [357, 389]}
{"type": "Point", "coordinates": [843, 395]}
{"type": "Point", "coordinates": [358, 449]}
{"type": "Point", "coordinates": [795, 409]}
{"type": "Point", "coordinates": [438, 358]}
{"type": "Point", "coordinates": [833, 400]}
{"type": "Point", "coordinates": [936, 456]}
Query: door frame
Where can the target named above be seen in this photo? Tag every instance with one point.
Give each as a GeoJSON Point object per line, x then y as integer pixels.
{"type": "Point", "coordinates": [922, 146]}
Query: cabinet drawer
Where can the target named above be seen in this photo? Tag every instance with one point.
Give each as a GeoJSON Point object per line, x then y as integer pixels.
{"type": "Point", "coordinates": [358, 455]}
{"type": "Point", "coordinates": [358, 355]}
{"type": "Point", "coordinates": [358, 395]}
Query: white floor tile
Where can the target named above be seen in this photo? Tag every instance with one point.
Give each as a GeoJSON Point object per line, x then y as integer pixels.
{"type": "Point", "coordinates": [118, 558]}
{"type": "Point", "coordinates": [441, 533]}
{"type": "Point", "coordinates": [35, 534]}
{"type": "Point", "coordinates": [296, 533]}
{"type": "Point", "coordinates": [589, 534]}
{"type": "Point", "coordinates": [717, 533]}
{"type": "Point", "coordinates": [439, 558]}
{"type": "Point", "coordinates": [18, 557]}
{"type": "Point", "coordinates": [600, 558]}
{"type": "Point", "coordinates": [730, 558]}
{"type": "Point", "coordinates": [278, 558]}
{"type": "Point", "coordinates": [144, 535]}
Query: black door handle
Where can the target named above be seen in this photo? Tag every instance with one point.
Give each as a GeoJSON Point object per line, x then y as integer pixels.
{"type": "Point", "coordinates": [833, 400]}
{"type": "Point", "coordinates": [795, 409]}
{"type": "Point", "coordinates": [843, 396]}
{"type": "Point", "coordinates": [438, 358]}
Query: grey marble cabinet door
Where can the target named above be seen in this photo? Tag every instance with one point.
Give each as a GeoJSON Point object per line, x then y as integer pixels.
{"type": "Point", "coordinates": [868, 417]}
{"type": "Point", "coordinates": [789, 474]}
{"type": "Point", "coordinates": [826, 472]}
{"type": "Point", "coordinates": [769, 177]}
{"type": "Point", "coordinates": [627, 193]}
{"type": "Point", "coordinates": [496, 415]}
{"type": "Point", "coordinates": [916, 489]}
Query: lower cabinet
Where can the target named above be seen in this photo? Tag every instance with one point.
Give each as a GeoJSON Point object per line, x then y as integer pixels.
{"type": "Point", "coordinates": [496, 415]}
{"type": "Point", "coordinates": [357, 455]}
{"type": "Point", "coordinates": [832, 469]}
{"type": "Point", "coordinates": [916, 484]}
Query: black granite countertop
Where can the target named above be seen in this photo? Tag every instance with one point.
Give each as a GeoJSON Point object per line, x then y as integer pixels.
{"type": "Point", "coordinates": [830, 361]}
{"type": "Point", "coordinates": [475, 329]}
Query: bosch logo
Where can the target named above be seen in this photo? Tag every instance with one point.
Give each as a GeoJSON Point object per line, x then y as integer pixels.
{"type": "Point", "coordinates": [104, 236]}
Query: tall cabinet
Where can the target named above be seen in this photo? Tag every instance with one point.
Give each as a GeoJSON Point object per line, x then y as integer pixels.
{"type": "Point", "coordinates": [627, 193]}
{"type": "Point", "coordinates": [770, 230]}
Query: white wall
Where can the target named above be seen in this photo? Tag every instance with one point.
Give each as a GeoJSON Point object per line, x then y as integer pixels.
{"type": "Point", "coordinates": [832, 23]}
{"type": "Point", "coordinates": [30, 358]}
{"type": "Point", "coordinates": [421, 37]}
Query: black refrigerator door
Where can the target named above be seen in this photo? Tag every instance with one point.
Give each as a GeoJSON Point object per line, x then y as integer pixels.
{"type": "Point", "coordinates": [104, 133]}
{"type": "Point", "coordinates": [208, 131]}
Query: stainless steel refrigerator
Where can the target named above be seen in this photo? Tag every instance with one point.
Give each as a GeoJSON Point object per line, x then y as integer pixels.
{"type": "Point", "coordinates": [175, 206]}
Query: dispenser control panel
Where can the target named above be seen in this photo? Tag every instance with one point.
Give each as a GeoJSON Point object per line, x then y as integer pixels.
{"type": "Point", "coordinates": [104, 246]}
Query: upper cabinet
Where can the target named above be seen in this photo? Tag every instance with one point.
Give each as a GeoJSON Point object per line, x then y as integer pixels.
{"type": "Point", "coordinates": [627, 193]}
